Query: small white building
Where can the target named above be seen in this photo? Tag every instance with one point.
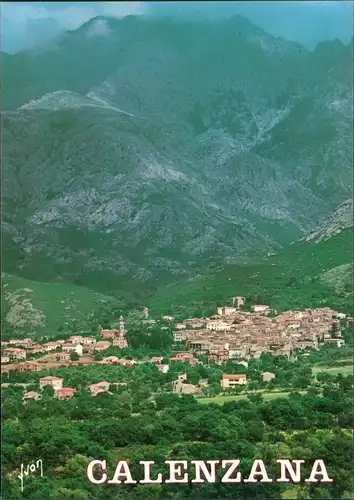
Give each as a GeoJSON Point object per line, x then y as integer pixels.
{"type": "Point", "coordinates": [293, 326]}
{"type": "Point", "coordinates": [87, 340]}
{"type": "Point", "coordinates": [51, 346]}
{"type": "Point", "coordinates": [341, 315]}
{"type": "Point", "coordinates": [243, 363]}
{"type": "Point", "coordinates": [337, 342]}
{"type": "Point", "coordinates": [73, 348]}
{"type": "Point", "coordinates": [267, 376]}
{"type": "Point", "coordinates": [55, 382]}
{"type": "Point", "coordinates": [75, 339]}
{"type": "Point", "coordinates": [238, 301]}
{"type": "Point", "coordinates": [168, 318]}
{"type": "Point", "coordinates": [179, 336]}
{"type": "Point", "coordinates": [162, 368]}
{"type": "Point", "coordinates": [261, 308]}
{"type": "Point", "coordinates": [226, 311]}
{"type": "Point", "coordinates": [156, 359]}
{"type": "Point", "coordinates": [237, 352]}
{"type": "Point", "coordinates": [218, 326]}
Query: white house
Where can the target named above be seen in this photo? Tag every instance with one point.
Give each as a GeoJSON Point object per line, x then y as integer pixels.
{"type": "Point", "coordinates": [238, 301]}
{"type": "Point", "coordinates": [260, 308]}
{"type": "Point", "coordinates": [168, 318]}
{"type": "Point", "coordinates": [218, 326]}
{"type": "Point", "coordinates": [73, 348]}
{"type": "Point", "coordinates": [55, 382]}
{"type": "Point", "coordinates": [179, 336]}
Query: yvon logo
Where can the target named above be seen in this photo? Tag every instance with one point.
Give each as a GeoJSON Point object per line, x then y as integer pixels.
{"type": "Point", "coordinates": [30, 469]}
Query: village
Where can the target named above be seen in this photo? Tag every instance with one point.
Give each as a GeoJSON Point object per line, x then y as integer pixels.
{"type": "Point", "coordinates": [232, 334]}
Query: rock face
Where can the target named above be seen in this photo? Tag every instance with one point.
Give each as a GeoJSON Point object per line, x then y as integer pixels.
{"type": "Point", "coordinates": [137, 153]}
{"type": "Point", "coordinates": [341, 218]}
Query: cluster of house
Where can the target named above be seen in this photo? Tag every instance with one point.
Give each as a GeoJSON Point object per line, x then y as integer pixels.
{"type": "Point", "coordinates": [227, 381]}
{"type": "Point", "coordinates": [237, 334]}
{"type": "Point", "coordinates": [17, 350]}
{"type": "Point", "coordinates": [61, 392]}
{"type": "Point", "coordinates": [118, 336]}
{"type": "Point", "coordinates": [179, 386]}
{"type": "Point", "coordinates": [232, 333]}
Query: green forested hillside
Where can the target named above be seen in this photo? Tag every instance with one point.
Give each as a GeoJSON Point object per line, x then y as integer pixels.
{"type": "Point", "coordinates": [34, 308]}
{"type": "Point", "coordinates": [301, 275]}
{"type": "Point", "coordinates": [141, 421]}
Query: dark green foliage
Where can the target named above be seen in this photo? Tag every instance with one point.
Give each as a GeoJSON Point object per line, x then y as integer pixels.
{"type": "Point", "coordinates": [138, 422]}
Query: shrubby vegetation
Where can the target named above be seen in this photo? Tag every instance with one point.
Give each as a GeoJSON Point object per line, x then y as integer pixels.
{"type": "Point", "coordinates": [292, 279]}
{"type": "Point", "coordinates": [141, 420]}
{"type": "Point", "coordinates": [288, 280]}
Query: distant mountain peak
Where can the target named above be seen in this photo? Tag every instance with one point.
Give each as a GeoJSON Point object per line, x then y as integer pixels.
{"type": "Point", "coordinates": [236, 142]}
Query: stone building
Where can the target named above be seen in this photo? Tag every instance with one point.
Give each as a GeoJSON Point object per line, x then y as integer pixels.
{"type": "Point", "coordinates": [55, 382]}
{"type": "Point", "coordinates": [233, 380]}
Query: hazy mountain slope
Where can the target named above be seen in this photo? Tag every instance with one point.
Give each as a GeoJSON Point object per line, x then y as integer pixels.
{"type": "Point", "coordinates": [144, 149]}
{"type": "Point", "coordinates": [315, 139]}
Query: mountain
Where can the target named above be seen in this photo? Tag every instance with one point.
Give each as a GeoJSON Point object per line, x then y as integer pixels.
{"type": "Point", "coordinates": [138, 151]}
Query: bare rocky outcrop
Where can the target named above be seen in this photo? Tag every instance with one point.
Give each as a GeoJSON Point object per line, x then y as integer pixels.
{"type": "Point", "coordinates": [341, 218]}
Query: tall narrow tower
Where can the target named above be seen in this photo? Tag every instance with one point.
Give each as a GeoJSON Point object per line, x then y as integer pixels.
{"type": "Point", "coordinates": [121, 325]}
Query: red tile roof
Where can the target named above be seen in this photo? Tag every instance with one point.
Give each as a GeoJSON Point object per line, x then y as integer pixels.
{"type": "Point", "coordinates": [235, 376]}
{"type": "Point", "coordinates": [50, 378]}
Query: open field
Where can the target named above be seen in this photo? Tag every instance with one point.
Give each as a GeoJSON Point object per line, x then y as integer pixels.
{"type": "Point", "coordinates": [267, 396]}
{"type": "Point", "coordinates": [334, 370]}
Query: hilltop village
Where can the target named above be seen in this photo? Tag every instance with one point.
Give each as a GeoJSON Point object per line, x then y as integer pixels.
{"type": "Point", "coordinates": [232, 334]}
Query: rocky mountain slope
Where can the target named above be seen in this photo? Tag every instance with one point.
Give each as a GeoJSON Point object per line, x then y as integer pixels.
{"type": "Point", "coordinates": [137, 150]}
{"type": "Point", "coordinates": [341, 218]}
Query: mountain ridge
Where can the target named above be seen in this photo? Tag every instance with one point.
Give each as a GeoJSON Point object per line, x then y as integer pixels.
{"type": "Point", "coordinates": [151, 153]}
